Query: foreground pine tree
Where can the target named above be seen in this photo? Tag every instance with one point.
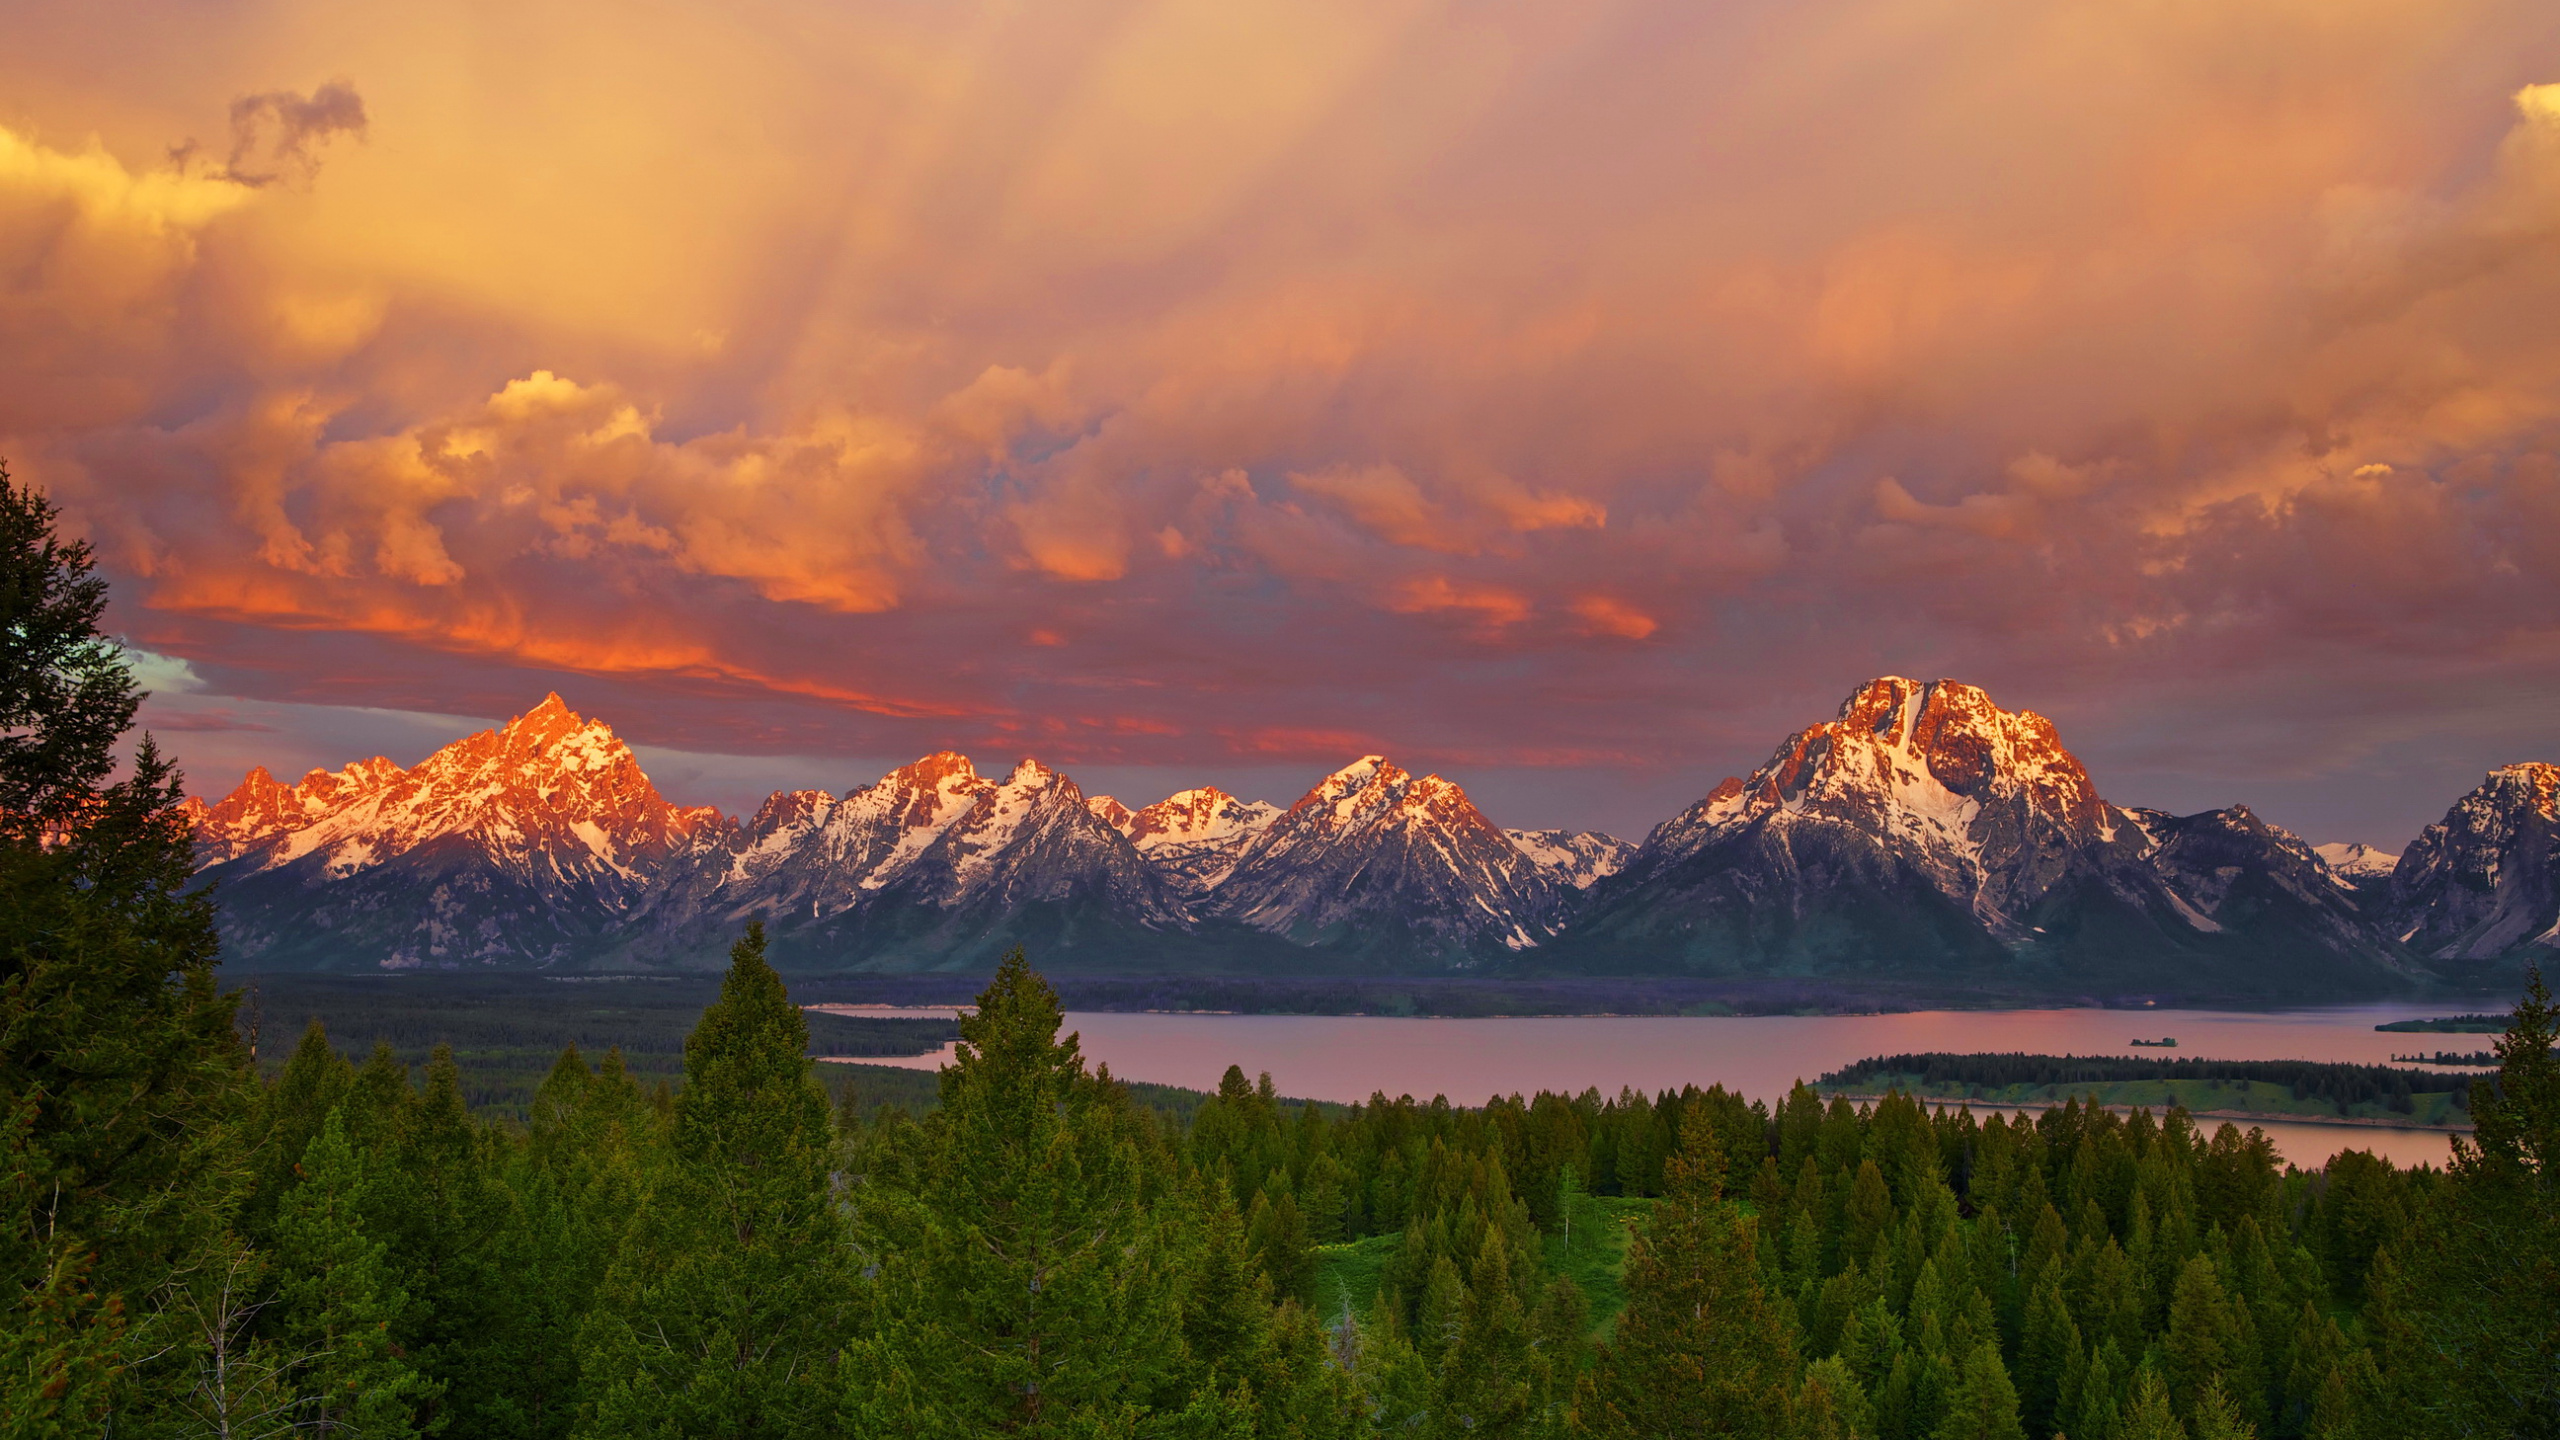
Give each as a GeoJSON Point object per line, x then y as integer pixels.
{"type": "Point", "coordinates": [1027, 1275]}
{"type": "Point", "coordinates": [2488, 1291]}
{"type": "Point", "coordinates": [119, 1071]}
{"type": "Point", "coordinates": [724, 1310]}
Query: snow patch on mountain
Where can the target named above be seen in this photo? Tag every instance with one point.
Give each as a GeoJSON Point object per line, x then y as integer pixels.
{"type": "Point", "coordinates": [1573, 857]}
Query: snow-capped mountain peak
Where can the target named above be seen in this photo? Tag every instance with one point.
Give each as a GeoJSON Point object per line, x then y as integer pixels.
{"type": "Point", "coordinates": [1982, 800]}
{"type": "Point", "coordinates": [1193, 838]}
{"type": "Point", "coordinates": [550, 789]}
{"type": "Point", "coordinates": [1371, 855]}
{"type": "Point", "coordinates": [2356, 862]}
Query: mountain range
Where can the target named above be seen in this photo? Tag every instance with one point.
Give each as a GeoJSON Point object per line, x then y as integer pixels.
{"type": "Point", "coordinates": [1923, 834]}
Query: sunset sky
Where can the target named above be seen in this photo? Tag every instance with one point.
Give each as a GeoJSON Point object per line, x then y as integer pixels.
{"type": "Point", "coordinates": [1572, 398]}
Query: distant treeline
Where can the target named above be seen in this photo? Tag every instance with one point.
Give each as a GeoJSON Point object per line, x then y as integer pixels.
{"type": "Point", "coordinates": [1441, 996]}
{"type": "Point", "coordinates": [2340, 1084]}
{"type": "Point", "coordinates": [508, 1029]}
{"type": "Point", "coordinates": [2451, 1025]}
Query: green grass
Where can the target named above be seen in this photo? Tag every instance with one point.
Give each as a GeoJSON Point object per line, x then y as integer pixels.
{"type": "Point", "coordinates": [1597, 1257]}
{"type": "Point", "coordinates": [1347, 1274]}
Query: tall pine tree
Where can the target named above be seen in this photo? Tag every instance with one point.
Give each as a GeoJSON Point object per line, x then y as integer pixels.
{"type": "Point", "coordinates": [724, 1311]}
{"type": "Point", "coordinates": [1029, 1278]}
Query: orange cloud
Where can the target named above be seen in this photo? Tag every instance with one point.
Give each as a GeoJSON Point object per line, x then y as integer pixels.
{"type": "Point", "coordinates": [1605, 615]}
{"type": "Point", "coordinates": [1490, 607]}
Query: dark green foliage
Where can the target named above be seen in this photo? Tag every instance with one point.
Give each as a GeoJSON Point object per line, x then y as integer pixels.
{"type": "Point", "coordinates": [66, 694]}
{"type": "Point", "coordinates": [119, 1075]}
{"type": "Point", "coordinates": [1023, 1279]}
{"type": "Point", "coordinates": [506, 1030]}
{"type": "Point", "coordinates": [339, 1311]}
{"type": "Point", "coordinates": [1700, 1347]}
{"type": "Point", "coordinates": [2483, 1300]}
{"type": "Point", "coordinates": [725, 1305]}
{"type": "Point", "coordinates": [1035, 1252]}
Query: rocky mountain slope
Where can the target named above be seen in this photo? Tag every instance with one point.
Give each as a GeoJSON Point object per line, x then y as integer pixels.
{"type": "Point", "coordinates": [1926, 828]}
{"type": "Point", "coordinates": [2478, 892]}
{"type": "Point", "coordinates": [1193, 838]}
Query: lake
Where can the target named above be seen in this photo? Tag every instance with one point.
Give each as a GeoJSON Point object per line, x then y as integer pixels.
{"type": "Point", "coordinates": [1350, 1057]}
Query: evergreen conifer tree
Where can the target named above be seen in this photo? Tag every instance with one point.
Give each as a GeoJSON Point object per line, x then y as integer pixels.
{"type": "Point", "coordinates": [291, 1111]}
{"type": "Point", "coordinates": [2047, 1353]}
{"type": "Point", "coordinates": [1486, 1374]}
{"type": "Point", "coordinates": [1981, 1405]}
{"type": "Point", "coordinates": [1227, 1315]}
{"type": "Point", "coordinates": [120, 1077]}
{"type": "Point", "coordinates": [2148, 1415]}
{"type": "Point", "coordinates": [1029, 1281]}
{"type": "Point", "coordinates": [2489, 1288]}
{"type": "Point", "coordinates": [2200, 1350]}
{"type": "Point", "coordinates": [338, 1308]}
{"type": "Point", "coordinates": [726, 1306]}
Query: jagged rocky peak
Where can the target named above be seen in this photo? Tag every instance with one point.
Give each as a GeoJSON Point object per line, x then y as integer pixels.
{"type": "Point", "coordinates": [561, 762]}
{"type": "Point", "coordinates": [1372, 851]}
{"type": "Point", "coordinates": [1029, 786]}
{"type": "Point", "coordinates": [1110, 812]}
{"type": "Point", "coordinates": [1372, 789]}
{"type": "Point", "coordinates": [2483, 883]}
{"type": "Point", "coordinates": [262, 806]}
{"type": "Point", "coordinates": [1374, 777]}
{"type": "Point", "coordinates": [922, 793]}
{"type": "Point", "coordinates": [548, 783]}
{"type": "Point", "coordinates": [1192, 816]}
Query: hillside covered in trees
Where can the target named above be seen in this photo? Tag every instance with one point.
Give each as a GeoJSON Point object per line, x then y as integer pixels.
{"type": "Point", "coordinates": [347, 1249]}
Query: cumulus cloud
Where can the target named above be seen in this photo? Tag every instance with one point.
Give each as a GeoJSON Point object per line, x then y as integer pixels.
{"type": "Point", "coordinates": [1184, 379]}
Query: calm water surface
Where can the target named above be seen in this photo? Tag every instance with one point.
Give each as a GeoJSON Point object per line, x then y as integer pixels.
{"type": "Point", "coordinates": [1351, 1057]}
